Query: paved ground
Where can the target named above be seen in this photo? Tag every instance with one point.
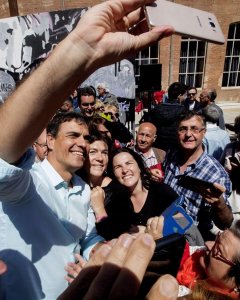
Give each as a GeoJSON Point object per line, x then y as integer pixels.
{"type": "Point", "coordinates": [230, 111]}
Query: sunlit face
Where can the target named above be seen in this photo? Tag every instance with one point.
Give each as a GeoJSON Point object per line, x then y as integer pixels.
{"type": "Point", "coordinates": [204, 100]}
{"type": "Point", "coordinates": [225, 248]}
{"type": "Point", "coordinates": [146, 135]}
{"type": "Point", "coordinates": [126, 170]}
{"type": "Point", "coordinates": [192, 138]}
{"type": "Point", "coordinates": [68, 150]}
{"type": "Point", "coordinates": [97, 161]}
{"type": "Point", "coordinates": [87, 105]}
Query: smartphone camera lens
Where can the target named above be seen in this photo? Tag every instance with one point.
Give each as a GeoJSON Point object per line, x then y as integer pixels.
{"type": "Point", "coordinates": [212, 24]}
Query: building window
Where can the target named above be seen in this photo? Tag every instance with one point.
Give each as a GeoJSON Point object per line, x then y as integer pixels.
{"type": "Point", "coordinates": [148, 56]}
{"type": "Point", "coordinates": [192, 62]}
{"type": "Point", "coordinates": [231, 72]}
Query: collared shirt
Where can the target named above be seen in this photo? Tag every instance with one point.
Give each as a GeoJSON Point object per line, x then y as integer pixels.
{"type": "Point", "coordinates": [206, 168]}
{"type": "Point", "coordinates": [150, 159]}
{"type": "Point", "coordinates": [44, 223]}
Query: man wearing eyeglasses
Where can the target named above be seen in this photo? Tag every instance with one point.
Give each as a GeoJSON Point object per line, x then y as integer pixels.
{"type": "Point", "coordinates": [40, 147]}
{"type": "Point", "coordinates": [203, 204]}
{"type": "Point", "coordinates": [191, 102]}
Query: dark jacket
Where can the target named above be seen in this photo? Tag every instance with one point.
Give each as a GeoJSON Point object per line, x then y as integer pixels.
{"type": "Point", "coordinates": [165, 117]}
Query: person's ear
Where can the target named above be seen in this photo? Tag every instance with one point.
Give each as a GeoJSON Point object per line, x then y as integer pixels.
{"type": "Point", "coordinates": [50, 141]}
{"type": "Point", "coordinates": [155, 136]}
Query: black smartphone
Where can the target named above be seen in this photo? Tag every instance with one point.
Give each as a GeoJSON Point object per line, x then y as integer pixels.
{"type": "Point", "coordinates": [234, 160]}
{"type": "Point", "coordinates": [194, 183]}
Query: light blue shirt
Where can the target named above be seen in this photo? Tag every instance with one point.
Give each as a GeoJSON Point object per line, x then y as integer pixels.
{"type": "Point", "coordinates": [42, 224]}
{"type": "Point", "coordinates": [215, 140]}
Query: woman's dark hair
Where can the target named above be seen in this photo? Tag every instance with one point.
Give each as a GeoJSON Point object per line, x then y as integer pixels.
{"type": "Point", "coordinates": [144, 173]}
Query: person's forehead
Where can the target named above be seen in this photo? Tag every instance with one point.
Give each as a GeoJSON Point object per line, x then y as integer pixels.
{"type": "Point", "coordinates": [122, 156]}
{"type": "Point", "coordinates": [147, 128]}
{"type": "Point", "coordinates": [87, 98]}
{"type": "Point", "coordinates": [192, 91]}
{"type": "Point", "coordinates": [98, 145]}
{"type": "Point", "coordinates": [73, 125]}
{"type": "Point", "coordinates": [196, 120]}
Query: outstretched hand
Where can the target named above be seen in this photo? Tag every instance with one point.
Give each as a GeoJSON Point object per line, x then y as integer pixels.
{"type": "Point", "coordinates": [115, 271]}
{"type": "Point", "coordinates": [114, 30]}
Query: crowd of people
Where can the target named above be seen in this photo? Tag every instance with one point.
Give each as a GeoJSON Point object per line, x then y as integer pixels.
{"type": "Point", "coordinates": [85, 208]}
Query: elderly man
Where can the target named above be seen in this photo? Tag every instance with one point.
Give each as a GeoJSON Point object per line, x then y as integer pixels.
{"type": "Point", "coordinates": [40, 147]}
{"type": "Point", "coordinates": [146, 135]}
{"type": "Point", "coordinates": [105, 96]}
{"type": "Point", "coordinates": [203, 205]}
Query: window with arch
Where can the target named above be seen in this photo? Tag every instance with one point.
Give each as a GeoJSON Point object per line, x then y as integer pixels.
{"type": "Point", "coordinates": [192, 62]}
{"type": "Point", "coordinates": [231, 72]}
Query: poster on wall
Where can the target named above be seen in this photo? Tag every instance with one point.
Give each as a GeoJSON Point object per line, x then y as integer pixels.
{"type": "Point", "coordinates": [26, 41]}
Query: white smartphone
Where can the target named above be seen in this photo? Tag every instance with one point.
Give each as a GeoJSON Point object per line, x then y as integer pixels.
{"type": "Point", "coordinates": [186, 21]}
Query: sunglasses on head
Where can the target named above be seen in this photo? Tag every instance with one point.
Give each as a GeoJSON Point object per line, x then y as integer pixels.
{"type": "Point", "coordinates": [87, 104]}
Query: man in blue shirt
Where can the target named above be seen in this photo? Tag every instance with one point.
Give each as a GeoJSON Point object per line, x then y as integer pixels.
{"type": "Point", "coordinates": [203, 205]}
{"type": "Point", "coordinates": [45, 214]}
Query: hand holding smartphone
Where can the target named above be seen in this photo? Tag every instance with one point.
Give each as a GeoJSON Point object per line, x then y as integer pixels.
{"type": "Point", "coordinates": [186, 21]}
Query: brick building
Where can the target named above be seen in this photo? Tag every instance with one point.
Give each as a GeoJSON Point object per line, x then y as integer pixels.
{"type": "Point", "coordinates": [189, 61]}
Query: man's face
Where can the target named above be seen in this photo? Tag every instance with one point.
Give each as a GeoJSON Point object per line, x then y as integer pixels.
{"type": "Point", "coordinates": [87, 105]}
{"type": "Point", "coordinates": [40, 146]}
{"type": "Point", "coordinates": [68, 150]}
{"type": "Point", "coordinates": [145, 137]}
{"type": "Point", "coordinates": [192, 94]}
{"type": "Point", "coordinates": [218, 257]}
{"type": "Point", "coordinates": [204, 100]}
{"type": "Point", "coordinates": [101, 91]}
{"type": "Point", "coordinates": [191, 133]}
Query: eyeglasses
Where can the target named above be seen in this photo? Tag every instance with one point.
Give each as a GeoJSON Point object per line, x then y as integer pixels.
{"type": "Point", "coordinates": [192, 129]}
{"type": "Point", "coordinates": [216, 252]}
{"type": "Point", "coordinates": [41, 145]}
{"type": "Point", "coordinates": [111, 114]}
{"type": "Point", "coordinates": [87, 104]}
{"type": "Point", "coordinates": [191, 94]}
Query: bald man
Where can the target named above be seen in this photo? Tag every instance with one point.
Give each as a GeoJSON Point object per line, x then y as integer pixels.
{"type": "Point", "coordinates": [145, 138]}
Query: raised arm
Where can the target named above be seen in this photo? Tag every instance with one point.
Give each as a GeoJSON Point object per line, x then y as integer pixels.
{"type": "Point", "coordinates": [107, 33]}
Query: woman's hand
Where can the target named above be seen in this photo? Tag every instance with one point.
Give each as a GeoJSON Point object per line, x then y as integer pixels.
{"type": "Point", "coordinates": [155, 227]}
{"type": "Point", "coordinates": [97, 202]}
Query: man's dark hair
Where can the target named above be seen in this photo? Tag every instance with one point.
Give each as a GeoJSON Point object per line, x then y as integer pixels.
{"type": "Point", "coordinates": [86, 91]}
{"type": "Point", "coordinates": [62, 117]}
{"type": "Point", "coordinates": [192, 88]}
{"type": "Point", "coordinates": [189, 114]}
{"type": "Point", "coordinates": [174, 90]}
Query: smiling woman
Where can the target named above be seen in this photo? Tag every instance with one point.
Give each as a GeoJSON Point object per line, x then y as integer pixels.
{"type": "Point", "coordinates": [134, 199]}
